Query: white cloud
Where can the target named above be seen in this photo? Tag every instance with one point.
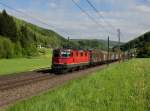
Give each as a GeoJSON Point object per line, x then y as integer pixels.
{"type": "Point", "coordinates": [143, 8]}
{"type": "Point", "coordinates": [53, 5]}
{"type": "Point", "coordinates": [128, 15]}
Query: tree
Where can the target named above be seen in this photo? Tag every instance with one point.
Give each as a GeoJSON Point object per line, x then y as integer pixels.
{"type": "Point", "coordinates": [2, 50]}
{"type": "Point", "coordinates": [8, 26]}
{"type": "Point", "coordinates": [6, 48]}
{"type": "Point", "coordinates": [24, 36]}
{"type": "Point", "coordinates": [17, 49]}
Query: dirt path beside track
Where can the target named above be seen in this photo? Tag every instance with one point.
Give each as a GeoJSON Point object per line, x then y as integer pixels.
{"type": "Point", "coordinates": [18, 87]}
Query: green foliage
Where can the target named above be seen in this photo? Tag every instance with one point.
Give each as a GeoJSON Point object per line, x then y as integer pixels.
{"type": "Point", "coordinates": [42, 51]}
{"type": "Point", "coordinates": [93, 44]}
{"type": "Point", "coordinates": [17, 50]}
{"type": "Point", "coordinates": [40, 36]}
{"type": "Point", "coordinates": [8, 26]}
{"type": "Point", "coordinates": [141, 44]}
{"type": "Point", "coordinates": [25, 37]}
{"type": "Point", "coordinates": [16, 65]}
{"type": "Point", "coordinates": [6, 48]}
{"type": "Point", "coordinates": [30, 50]}
{"type": "Point", "coordinates": [120, 87]}
{"type": "Point", "coordinates": [144, 51]}
{"type": "Point", "coordinates": [2, 50]}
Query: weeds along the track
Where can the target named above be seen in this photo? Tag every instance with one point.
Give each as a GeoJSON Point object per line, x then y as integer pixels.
{"type": "Point", "coordinates": [124, 86]}
{"type": "Point", "coordinates": [22, 86]}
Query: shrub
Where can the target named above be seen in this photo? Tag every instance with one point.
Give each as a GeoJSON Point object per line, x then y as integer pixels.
{"type": "Point", "coordinates": [30, 50]}
{"type": "Point", "coordinates": [42, 51]}
{"type": "Point", "coordinates": [2, 50]}
{"type": "Point", "coordinates": [17, 49]}
{"type": "Point", "coordinates": [6, 48]}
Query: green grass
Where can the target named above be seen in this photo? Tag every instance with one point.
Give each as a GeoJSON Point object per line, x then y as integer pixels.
{"type": "Point", "coordinates": [121, 87]}
{"type": "Point", "coordinates": [9, 66]}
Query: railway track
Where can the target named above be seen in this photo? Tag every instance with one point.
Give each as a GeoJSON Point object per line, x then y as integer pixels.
{"type": "Point", "coordinates": [15, 76]}
{"type": "Point", "coordinates": [21, 82]}
{"type": "Point", "coordinates": [27, 78]}
{"type": "Point", "coordinates": [19, 87]}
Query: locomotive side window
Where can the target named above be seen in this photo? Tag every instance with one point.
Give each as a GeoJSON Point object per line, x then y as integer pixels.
{"type": "Point", "coordinates": [81, 53]}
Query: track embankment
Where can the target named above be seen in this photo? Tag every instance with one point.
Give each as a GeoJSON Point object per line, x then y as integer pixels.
{"type": "Point", "coordinates": [18, 87]}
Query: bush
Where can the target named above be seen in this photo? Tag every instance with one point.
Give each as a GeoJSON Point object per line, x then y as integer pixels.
{"type": "Point", "coordinates": [17, 50]}
{"type": "Point", "coordinates": [30, 50]}
{"type": "Point", "coordinates": [2, 50]}
{"type": "Point", "coordinates": [144, 51]}
{"type": "Point", "coordinates": [9, 49]}
{"type": "Point", "coordinates": [42, 51]}
{"type": "Point", "coordinates": [6, 48]}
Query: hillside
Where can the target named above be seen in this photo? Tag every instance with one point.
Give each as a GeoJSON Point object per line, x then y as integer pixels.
{"type": "Point", "coordinates": [94, 44]}
{"type": "Point", "coordinates": [44, 37]}
{"type": "Point", "coordinates": [141, 44]}
{"type": "Point", "coordinates": [19, 38]}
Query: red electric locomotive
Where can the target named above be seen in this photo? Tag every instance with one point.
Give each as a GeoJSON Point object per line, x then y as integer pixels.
{"type": "Point", "coordinates": [65, 60]}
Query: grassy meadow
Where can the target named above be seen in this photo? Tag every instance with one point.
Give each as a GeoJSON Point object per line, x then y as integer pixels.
{"type": "Point", "coordinates": [120, 87]}
{"type": "Point", "coordinates": [16, 65]}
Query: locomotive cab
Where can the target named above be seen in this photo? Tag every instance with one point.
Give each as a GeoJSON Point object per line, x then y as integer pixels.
{"type": "Point", "coordinates": [60, 59]}
{"type": "Point", "coordinates": [61, 53]}
{"type": "Point", "coordinates": [65, 60]}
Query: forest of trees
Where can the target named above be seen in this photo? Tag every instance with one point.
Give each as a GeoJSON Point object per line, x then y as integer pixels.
{"type": "Point", "coordinates": [94, 43]}
{"type": "Point", "coordinates": [18, 38]}
{"type": "Point", "coordinates": [140, 44]}
{"type": "Point", "coordinates": [10, 43]}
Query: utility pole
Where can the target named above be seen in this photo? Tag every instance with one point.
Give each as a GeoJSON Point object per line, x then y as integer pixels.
{"type": "Point", "coordinates": [108, 52]}
{"type": "Point", "coordinates": [68, 42]}
{"type": "Point", "coordinates": [129, 50]}
{"type": "Point", "coordinates": [119, 33]}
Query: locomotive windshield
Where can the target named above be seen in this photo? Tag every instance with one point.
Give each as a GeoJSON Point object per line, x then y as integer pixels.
{"type": "Point", "coordinates": [65, 53]}
{"type": "Point", "coordinates": [61, 53]}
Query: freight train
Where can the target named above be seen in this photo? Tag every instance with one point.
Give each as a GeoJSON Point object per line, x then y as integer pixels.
{"type": "Point", "coordinates": [66, 60]}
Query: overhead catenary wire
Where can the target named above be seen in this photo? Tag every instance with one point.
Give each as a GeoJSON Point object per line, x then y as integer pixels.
{"type": "Point", "coordinates": [89, 16]}
{"type": "Point", "coordinates": [100, 15]}
{"type": "Point", "coordinates": [28, 15]}
{"type": "Point", "coordinates": [23, 13]}
{"type": "Point", "coordinates": [50, 25]}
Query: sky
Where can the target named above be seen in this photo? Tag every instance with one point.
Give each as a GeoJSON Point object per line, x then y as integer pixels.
{"type": "Point", "coordinates": [132, 17]}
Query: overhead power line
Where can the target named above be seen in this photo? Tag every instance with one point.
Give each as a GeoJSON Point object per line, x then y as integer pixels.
{"type": "Point", "coordinates": [89, 16]}
{"type": "Point", "coordinates": [50, 25]}
{"type": "Point", "coordinates": [25, 14]}
{"type": "Point", "coordinates": [99, 14]}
